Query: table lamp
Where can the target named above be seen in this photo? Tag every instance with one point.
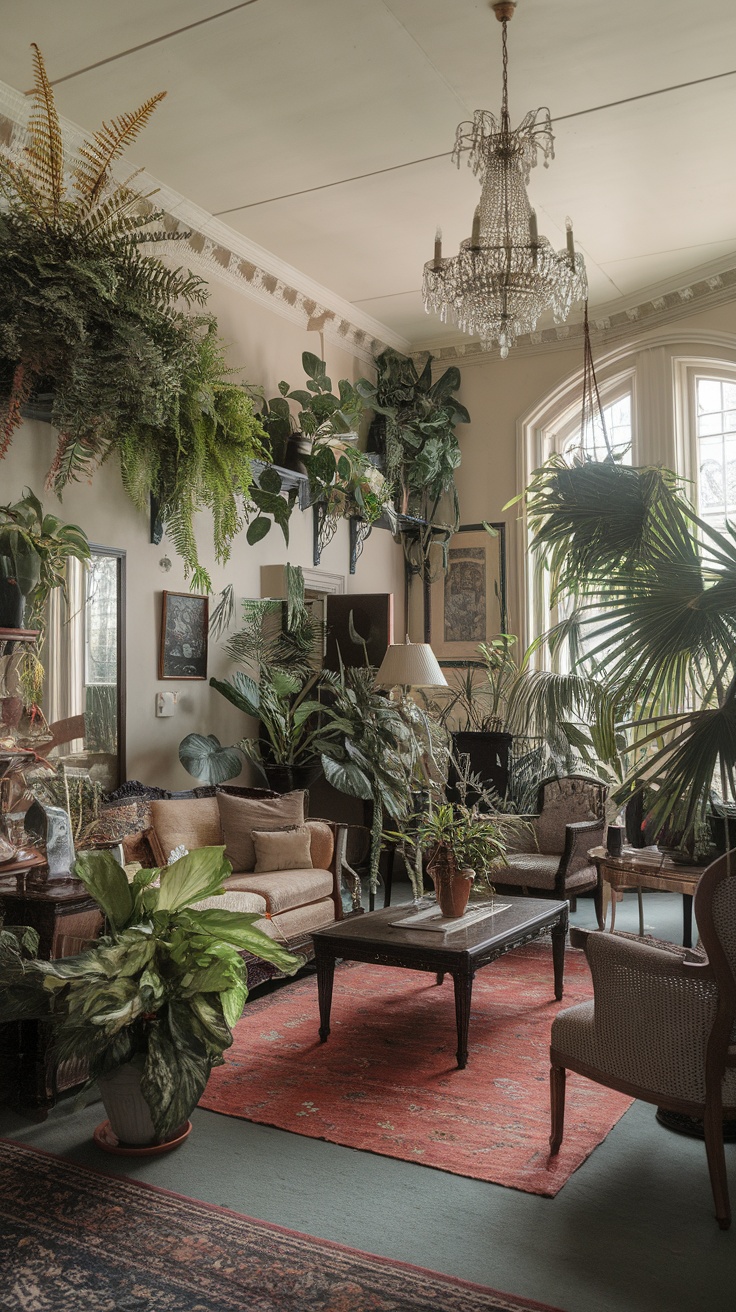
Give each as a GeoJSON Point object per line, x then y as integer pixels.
{"type": "Point", "coordinates": [410, 665]}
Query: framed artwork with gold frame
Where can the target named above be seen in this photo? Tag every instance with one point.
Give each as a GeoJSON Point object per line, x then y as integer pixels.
{"type": "Point", "coordinates": [468, 602]}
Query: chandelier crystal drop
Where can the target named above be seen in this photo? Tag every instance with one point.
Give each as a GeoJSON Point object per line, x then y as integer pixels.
{"type": "Point", "coordinates": [505, 274]}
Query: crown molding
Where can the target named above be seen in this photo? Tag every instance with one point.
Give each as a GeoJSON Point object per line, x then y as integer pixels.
{"type": "Point", "coordinates": [218, 251]}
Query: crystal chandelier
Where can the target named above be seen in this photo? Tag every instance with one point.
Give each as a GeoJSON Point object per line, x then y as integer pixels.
{"type": "Point", "coordinates": [505, 274]}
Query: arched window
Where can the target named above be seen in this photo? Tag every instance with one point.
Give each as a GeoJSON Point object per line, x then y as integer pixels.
{"type": "Point", "coordinates": [715, 442]}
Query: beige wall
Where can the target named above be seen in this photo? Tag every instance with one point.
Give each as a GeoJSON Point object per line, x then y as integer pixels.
{"type": "Point", "coordinates": [270, 348]}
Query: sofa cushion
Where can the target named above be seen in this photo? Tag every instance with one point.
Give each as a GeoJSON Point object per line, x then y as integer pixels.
{"type": "Point", "coordinates": [322, 844]}
{"type": "Point", "coordinates": [282, 849]}
{"type": "Point", "coordinates": [239, 816]}
{"type": "Point", "coordinates": [190, 822]}
{"type": "Point", "coordinates": [234, 900]}
{"type": "Point", "coordinates": [284, 889]}
{"type": "Point", "coordinates": [300, 921]}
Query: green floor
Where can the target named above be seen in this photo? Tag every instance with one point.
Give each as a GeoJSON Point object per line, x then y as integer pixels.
{"type": "Point", "coordinates": [632, 1231]}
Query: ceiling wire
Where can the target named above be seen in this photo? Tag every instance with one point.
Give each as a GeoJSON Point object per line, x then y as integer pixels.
{"type": "Point", "coordinates": [57, 81]}
{"type": "Point", "coordinates": [425, 159]}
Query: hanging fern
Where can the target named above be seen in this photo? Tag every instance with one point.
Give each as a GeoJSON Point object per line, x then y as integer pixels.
{"type": "Point", "coordinates": [201, 457]}
{"type": "Point", "coordinates": [87, 313]}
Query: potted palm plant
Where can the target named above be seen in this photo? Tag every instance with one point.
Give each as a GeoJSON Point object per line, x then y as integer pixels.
{"type": "Point", "coordinates": [651, 586]}
{"type": "Point", "coordinates": [459, 846]}
{"type": "Point", "coordinates": [149, 1006]}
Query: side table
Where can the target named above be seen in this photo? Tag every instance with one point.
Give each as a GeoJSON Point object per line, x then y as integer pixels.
{"type": "Point", "coordinates": [633, 870]}
{"type": "Point", "coordinates": [65, 918]}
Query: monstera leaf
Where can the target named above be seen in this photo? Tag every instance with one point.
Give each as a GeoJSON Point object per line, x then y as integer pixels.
{"type": "Point", "coordinates": [204, 757]}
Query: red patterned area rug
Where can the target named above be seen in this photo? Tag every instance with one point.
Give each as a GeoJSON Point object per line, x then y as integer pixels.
{"type": "Point", "coordinates": [386, 1080]}
{"type": "Point", "coordinates": [74, 1240]}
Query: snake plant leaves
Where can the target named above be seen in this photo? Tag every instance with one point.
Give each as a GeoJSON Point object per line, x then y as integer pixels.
{"type": "Point", "coordinates": [197, 875]}
{"type": "Point", "coordinates": [204, 757]}
{"type": "Point", "coordinates": [108, 884]}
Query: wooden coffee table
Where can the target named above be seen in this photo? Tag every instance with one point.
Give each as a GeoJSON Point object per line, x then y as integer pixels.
{"type": "Point", "coordinates": [373, 938]}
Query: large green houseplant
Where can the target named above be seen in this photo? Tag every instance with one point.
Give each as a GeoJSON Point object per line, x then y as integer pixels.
{"type": "Point", "coordinates": [278, 648]}
{"type": "Point", "coordinates": [34, 550]}
{"type": "Point", "coordinates": [651, 589]}
{"type": "Point", "coordinates": [157, 995]}
{"type": "Point", "coordinates": [414, 430]}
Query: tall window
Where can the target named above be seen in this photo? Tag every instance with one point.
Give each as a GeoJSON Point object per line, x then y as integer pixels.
{"type": "Point", "coordinates": [592, 443]}
{"type": "Point", "coordinates": [715, 430]}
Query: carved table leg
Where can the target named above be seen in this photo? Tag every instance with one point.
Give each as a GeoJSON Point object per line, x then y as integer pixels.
{"type": "Point", "coordinates": [559, 933]}
{"type": "Point", "coordinates": [463, 994]}
{"type": "Point", "coordinates": [325, 978]}
{"type": "Point", "coordinates": [440, 976]}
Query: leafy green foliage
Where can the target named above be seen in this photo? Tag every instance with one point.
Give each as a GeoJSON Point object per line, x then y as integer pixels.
{"type": "Point", "coordinates": [163, 988]}
{"type": "Point", "coordinates": [460, 836]}
{"type": "Point", "coordinates": [653, 591]}
{"type": "Point", "coordinates": [414, 427]}
{"type": "Point", "coordinates": [34, 550]}
{"type": "Point", "coordinates": [86, 313]}
{"type": "Point", "coordinates": [206, 759]}
{"type": "Point", "coordinates": [199, 455]}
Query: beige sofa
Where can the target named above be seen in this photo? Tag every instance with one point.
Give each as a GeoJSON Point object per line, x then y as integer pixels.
{"type": "Point", "coordinates": [292, 901]}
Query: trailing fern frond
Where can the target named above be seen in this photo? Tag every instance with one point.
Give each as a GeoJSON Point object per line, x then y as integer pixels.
{"type": "Point", "coordinates": [45, 150]}
{"type": "Point", "coordinates": [108, 143]}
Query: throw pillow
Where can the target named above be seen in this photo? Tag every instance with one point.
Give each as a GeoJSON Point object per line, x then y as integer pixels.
{"type": "Point", "coordinates": [282, 849]}
{"type": "Point", "coordinates": [239, 816]}
{"type": "Point", "coordinates": [190, 822]}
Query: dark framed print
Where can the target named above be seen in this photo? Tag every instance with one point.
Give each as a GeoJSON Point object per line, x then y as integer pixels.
{"type": "Point", "coordinates": [468, 602]}
{"type": "Point", "coordinates": [184, 628]}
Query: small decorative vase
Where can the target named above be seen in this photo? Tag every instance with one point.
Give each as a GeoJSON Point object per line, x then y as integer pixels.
{"type": "Point", "coordinates": [452, 888]}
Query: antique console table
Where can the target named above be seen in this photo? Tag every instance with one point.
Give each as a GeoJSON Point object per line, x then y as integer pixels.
{"type": "Point", "coordinates": [633, 869]}
{"type": "Point", "coordinates": [65, 918]}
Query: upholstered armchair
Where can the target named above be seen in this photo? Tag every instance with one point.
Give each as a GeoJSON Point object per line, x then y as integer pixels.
{"type": "Point", "coordinates": [554, 860]}
{"type": "Point", "coordinates": [661, 1026]}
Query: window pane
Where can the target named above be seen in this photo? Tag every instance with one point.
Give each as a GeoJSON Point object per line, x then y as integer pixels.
{"type": "Point", "coordinates": [709, 395]}
{"type": "Point", "coordinates": [592, 443]}
{"type": "Point", "coordinates": [716, 438]}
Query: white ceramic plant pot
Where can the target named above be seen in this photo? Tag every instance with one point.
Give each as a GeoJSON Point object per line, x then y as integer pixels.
{"type": "Point", "coordinates": [127, 1109]}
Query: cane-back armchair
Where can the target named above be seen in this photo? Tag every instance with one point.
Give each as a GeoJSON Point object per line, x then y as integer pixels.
{"type": "Point", "coordinates": [554, 860]}
{"type": "Point", "coordinates": [662, 1024]}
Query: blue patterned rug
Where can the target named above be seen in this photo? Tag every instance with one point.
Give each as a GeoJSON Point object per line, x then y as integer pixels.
{"type": "Point", "coordinates": [75, 1240]}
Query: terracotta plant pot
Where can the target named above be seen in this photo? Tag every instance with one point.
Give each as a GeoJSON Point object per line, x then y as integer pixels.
{"type": "Point", "coordinates": [452, 889]}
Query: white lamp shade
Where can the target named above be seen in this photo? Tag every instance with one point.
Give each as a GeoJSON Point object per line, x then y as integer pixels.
{"type": "Point", "coordinates": [411, 665]}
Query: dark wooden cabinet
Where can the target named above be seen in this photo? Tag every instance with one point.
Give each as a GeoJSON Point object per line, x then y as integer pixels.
{"type": "Point", "coordinates": [66, 919]}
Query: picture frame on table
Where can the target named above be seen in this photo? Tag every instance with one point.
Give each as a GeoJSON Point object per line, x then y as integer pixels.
{"type": "Point", "coordinates": [468, 603]}
{"type": "Point", "coordinates": [184, 635]}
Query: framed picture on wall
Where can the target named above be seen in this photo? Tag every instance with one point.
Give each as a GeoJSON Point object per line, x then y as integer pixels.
{"type": "Point", "coordinates": [468, 603]}
{"type": "Point", "coordinates": [184, 629]}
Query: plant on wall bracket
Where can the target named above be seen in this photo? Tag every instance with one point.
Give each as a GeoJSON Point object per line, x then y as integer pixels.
{"type": "Point", "coordinates": [414, 429]}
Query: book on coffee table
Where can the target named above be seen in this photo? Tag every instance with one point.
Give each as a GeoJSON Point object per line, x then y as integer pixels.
{"type": "Point", "coordinates": [432, 918]}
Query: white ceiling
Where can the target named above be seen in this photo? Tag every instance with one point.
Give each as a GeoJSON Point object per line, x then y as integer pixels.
{"type": "Point", "coordinates": [277, 110]}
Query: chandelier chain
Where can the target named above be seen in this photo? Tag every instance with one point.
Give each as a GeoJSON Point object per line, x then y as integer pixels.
{"type": "Point", "coordinates": [505, 120]}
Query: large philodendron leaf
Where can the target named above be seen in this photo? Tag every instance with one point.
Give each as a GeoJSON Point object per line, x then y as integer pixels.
{"type": "Point", "coordinates": [241, 691]}
{"type": "Point", "coordinates": [108, 884]}
{"type": "Point", "coordinates": [174, 1079]}
{"type": "Point", "coordinates": [193, 877]}
{"type": "Point", "coordinates": [204, 757]}
{"type": "Point", "coordinates": [238, 929]}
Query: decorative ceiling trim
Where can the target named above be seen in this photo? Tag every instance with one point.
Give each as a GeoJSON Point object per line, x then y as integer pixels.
{"type": "Point", "coordinates": [220, 252]}
{"type": "Point", "coordinates": [610, 323]}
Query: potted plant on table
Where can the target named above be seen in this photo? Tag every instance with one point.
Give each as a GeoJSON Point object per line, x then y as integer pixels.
{"type": "Point", "coordinates": [460, 846]}
{"type": "Point", "coordinates": [150, 1006]}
